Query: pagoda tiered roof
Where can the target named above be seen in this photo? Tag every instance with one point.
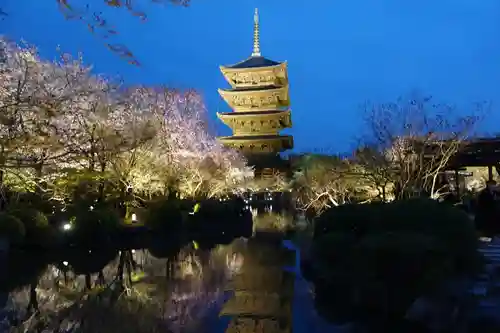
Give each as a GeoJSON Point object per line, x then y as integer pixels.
{"type": "Point", "coordinates": [254, 62]}
{"type": "Point", "coordinates": [259, 98]}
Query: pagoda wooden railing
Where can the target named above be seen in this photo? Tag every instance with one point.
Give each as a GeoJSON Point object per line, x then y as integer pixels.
{"type": "Point", "coordinates": [267, 173]}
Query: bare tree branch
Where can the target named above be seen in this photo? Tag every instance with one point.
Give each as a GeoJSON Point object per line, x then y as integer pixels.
{"type": "Point", "coordinates": [411, 142]}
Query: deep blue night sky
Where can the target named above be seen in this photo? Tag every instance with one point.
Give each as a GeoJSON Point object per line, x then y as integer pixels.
{"type": "Point", "coordinates": [340, 53]}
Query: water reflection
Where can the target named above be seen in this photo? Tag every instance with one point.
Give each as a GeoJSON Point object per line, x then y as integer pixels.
{"type": "Point", "coordinates": [111, 290]}
{"type": "Point", "coordinates": [173, 285]}
{"type": "Point", "coordinates": [272, 220]}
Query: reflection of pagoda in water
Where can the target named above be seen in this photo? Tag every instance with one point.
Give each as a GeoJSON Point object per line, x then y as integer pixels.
{"type": "Point", "coordinates": [263, 292]}
{"type": "Point", "coordinates": [259, 99]}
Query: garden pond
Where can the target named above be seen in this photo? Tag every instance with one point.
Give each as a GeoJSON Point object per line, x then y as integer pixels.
{"type": "Point", "coordinates": [165, 287]}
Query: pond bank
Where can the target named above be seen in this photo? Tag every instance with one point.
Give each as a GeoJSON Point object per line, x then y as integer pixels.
{"type": "Point", "coordinates": [483, 313]}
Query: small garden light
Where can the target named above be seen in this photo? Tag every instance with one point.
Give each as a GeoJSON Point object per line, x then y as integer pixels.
{"type": "Point", "coordinates": [134, 217]}
{"type": "Point", "coordinates": [196, 209]}
{"type": "Point", "coordinates": [67, 226]}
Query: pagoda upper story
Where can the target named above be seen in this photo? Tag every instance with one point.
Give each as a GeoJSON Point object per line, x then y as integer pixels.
{"type": "Point", "coordinates": [260, 102]}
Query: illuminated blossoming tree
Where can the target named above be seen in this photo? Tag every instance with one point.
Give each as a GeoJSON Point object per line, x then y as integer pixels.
{"type": "Point", "coordinates": [181, 155]}
{"type": "Point", "coordinates": [35, 95]}
{"type": "Point", "coordinates": [60, 123]}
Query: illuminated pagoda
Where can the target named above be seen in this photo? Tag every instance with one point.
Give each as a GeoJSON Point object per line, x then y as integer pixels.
{"type": "Point", "coordinates": [260, 103]}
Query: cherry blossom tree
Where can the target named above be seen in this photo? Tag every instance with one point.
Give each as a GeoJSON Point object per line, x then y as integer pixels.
{"type": "Point", "coordinates": [81, 137]}
{"type": "Point", "coordinates": [323, 181]}
{"type": "Point", "coordinates": [183, 154]}
{"type": "Point", "coordinates": [34, 96]}
{"type": "Point", "coordinates": [90, 14]}
{"type": "Point", "coordinates": [412, 142]}
{"type": "Point", "coordinates": [64, 126]}
{"type": "Point", "coordinates": [273, 182]}
{"type": "Point", "coordinates": [100, 26]}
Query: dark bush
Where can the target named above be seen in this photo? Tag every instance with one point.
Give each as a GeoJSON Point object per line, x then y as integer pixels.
{"type": "Point", "coordinates": [372, 261]}
{"type": "Point", "coordinates": [97, 220]}
{"type": "Point", "coordinates": [164, 216]}
{"type": "Point", "coordinates": [166, 248]}
{"type": "Point", "coordinates": [12, 229]}
{"type": "Point", "coordinates": [214, 211]}
{"type": "Point", "coordinates": [108, 218]}
{"type": "Point", "coordinates": [31, 200]}
{"type": "Point", "coordinates": [82, 261]}
{"type": "Point", "coordinates": [449, 225]}
{"type": "Point", "coordinates": [23, 267]}
{"type": "Point", "coordinates": [91, 227]}
{"type": "Point", "coordinates": [36, 224]}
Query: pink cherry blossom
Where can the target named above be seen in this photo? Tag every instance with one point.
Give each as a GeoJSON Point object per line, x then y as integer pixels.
{"type": "Point", "coordinates": [58, 115]}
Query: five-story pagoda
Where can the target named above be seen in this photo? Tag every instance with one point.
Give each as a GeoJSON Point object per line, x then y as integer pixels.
{"type": "Point", "coordinates": [259, 99]}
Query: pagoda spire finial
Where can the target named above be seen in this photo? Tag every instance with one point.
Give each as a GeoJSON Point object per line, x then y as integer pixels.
{"type": "Point", "coordinates": [256, 37]}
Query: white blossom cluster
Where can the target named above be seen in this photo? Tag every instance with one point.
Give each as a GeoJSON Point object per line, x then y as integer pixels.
{"type": "Point", "coordinates": [57, 116]}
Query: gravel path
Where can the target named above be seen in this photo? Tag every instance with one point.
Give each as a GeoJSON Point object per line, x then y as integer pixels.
{"type": "Point", "coordinates": [487, 287]}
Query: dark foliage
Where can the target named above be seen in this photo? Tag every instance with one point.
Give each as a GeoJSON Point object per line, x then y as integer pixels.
{"type": "Point", "coordinates": [12, 228]}
{"type": "Point", "coordinates": [84, 261]}
{"type": "Point", "coordinates": [36, 225]}
{"type": "Point", "coordinates": [97, 236]}
{"type": "Point", "coordinates": [24, 268]}
{"type": "Point", "coordinates": [370, 262]}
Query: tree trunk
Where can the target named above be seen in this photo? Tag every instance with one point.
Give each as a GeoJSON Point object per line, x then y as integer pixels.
{"type": "Point", "coordinates": [101, 183]}
{"type": "Point", "coordinates": [100, 278]}
{"type": "Point", "coordinates": [121, 264]}
{"type": "Point", "coordinates": [88, 282]}
{"type": "Point", "coordinates": [3, 201]}
{"type": "Point", "coordinates": [38, 174]}
{"type": "Point", "coordinates": [129, 265]}
{"type": "Point", "coordinates": [33, 302]}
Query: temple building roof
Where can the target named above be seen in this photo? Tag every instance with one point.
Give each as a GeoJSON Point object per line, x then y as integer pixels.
{"type": "Point", "coordinates": [255, 124]}
{"type": "Point", "coordinates": [259, 143]}
{"type": "Point", "coordinates": [259, 101]}
{"type": "Point", "coordinates": [255, 62]}
{"type": "Point", "coordinates": [254, 113]}
{"type": "Point", "coordinates": [256, 137]}
{"type": "Point", "coordinates": [258, 88]}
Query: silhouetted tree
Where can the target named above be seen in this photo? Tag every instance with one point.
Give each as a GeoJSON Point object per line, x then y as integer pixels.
{"type": "Point", "coordinates": [98, 25]}
{"type": "Point", "coordinates": [411, 141]}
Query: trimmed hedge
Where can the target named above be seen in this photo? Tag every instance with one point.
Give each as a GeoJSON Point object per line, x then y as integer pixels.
{"type": "Point", "coordinates": [12, 228]}
{"type": "Point", "coordinates": [372, 261]}
{"type": "Point", "coordinates": [449, 225]}
{"type": "Point", "coordinates": [36, 224]}
{"type": "Point", "coordinates": [164, 216]}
